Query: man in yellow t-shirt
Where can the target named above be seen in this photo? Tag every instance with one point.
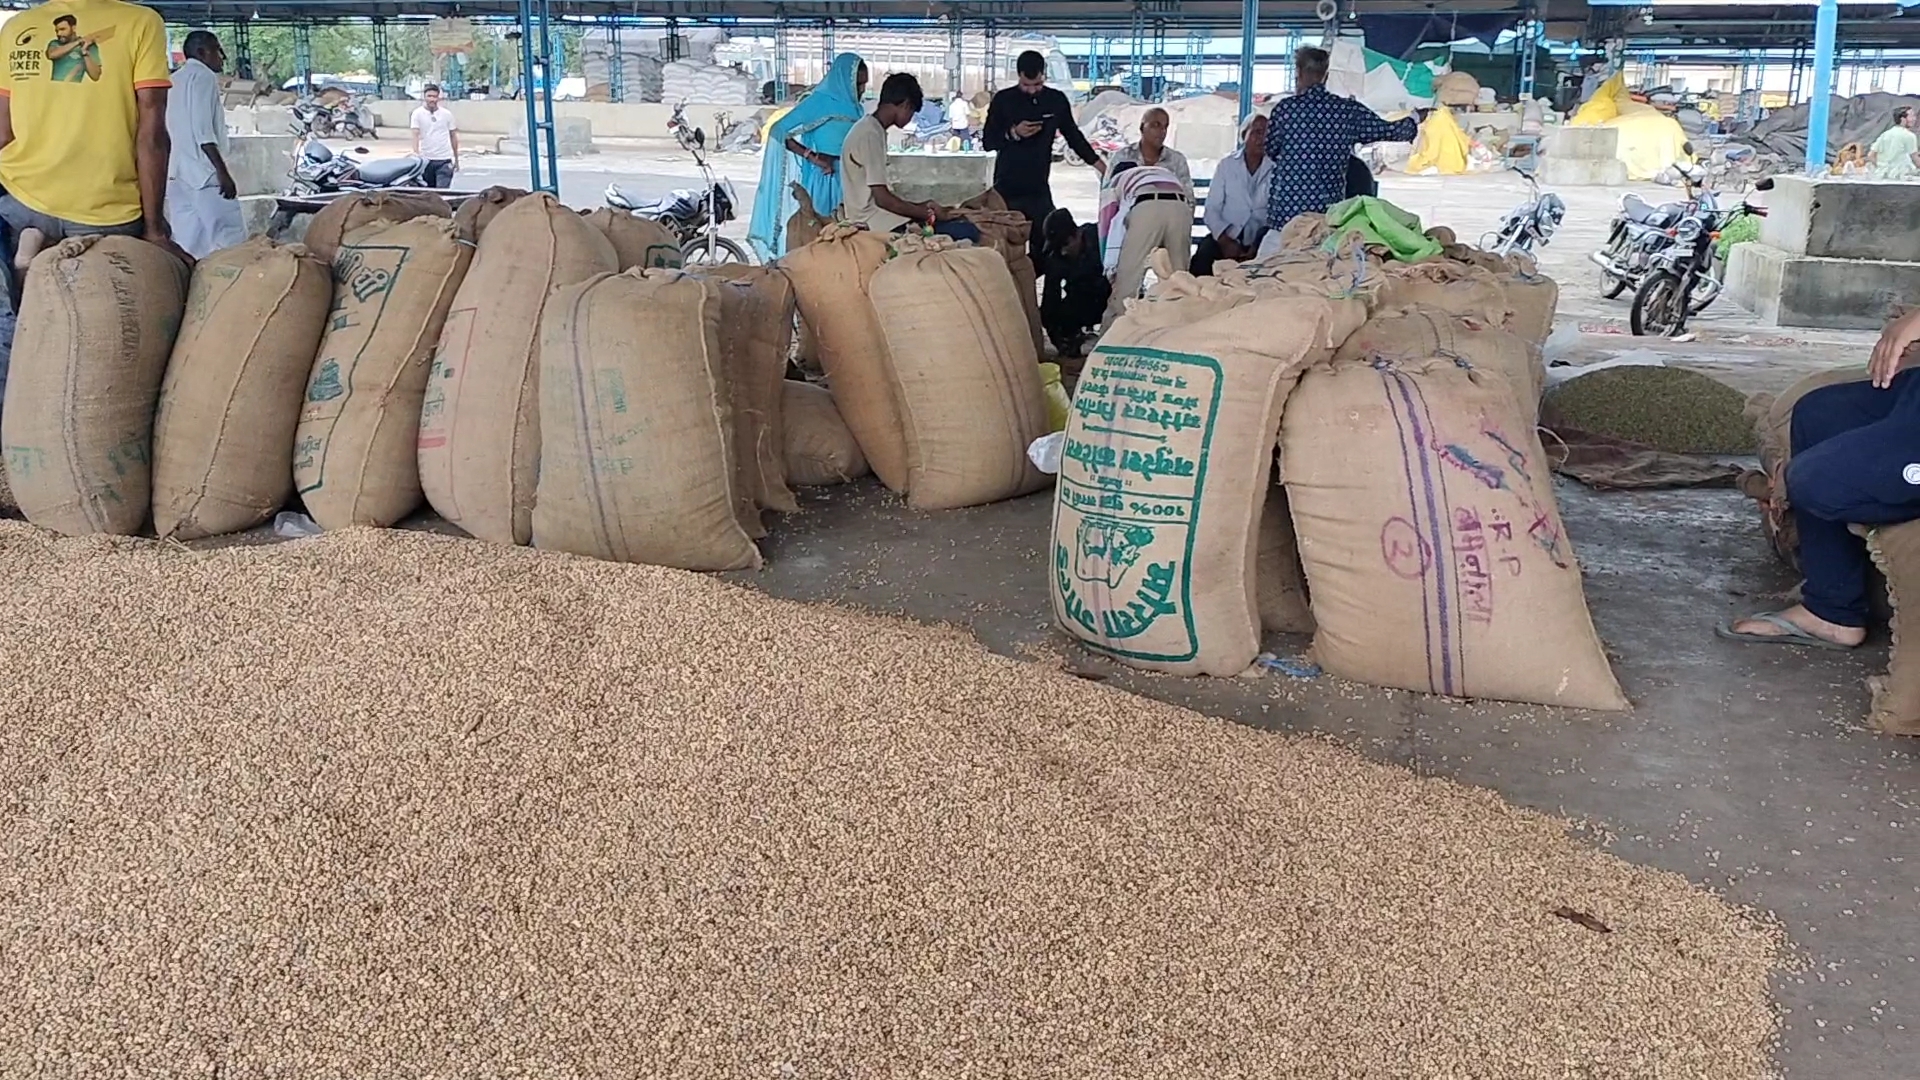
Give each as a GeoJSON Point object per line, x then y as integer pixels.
{"type": "Point", "coordinates": [83, 124]}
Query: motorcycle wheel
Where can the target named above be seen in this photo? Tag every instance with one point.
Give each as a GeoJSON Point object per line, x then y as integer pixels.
{"type": "Point", "coordinates": [694, 252]}
{"type": "Point", "coordinates": [1610, 286]}
{"type": "Point", "coordinates": [1708, 289]}
{"type": "Point", "coordinates": [1657, 308]}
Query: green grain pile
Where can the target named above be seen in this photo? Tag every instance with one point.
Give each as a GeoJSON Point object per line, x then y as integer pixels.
{"type": "Point", "coordinates": [386, 804]}
{"type": "Point", "coordinates": [1666, 408]}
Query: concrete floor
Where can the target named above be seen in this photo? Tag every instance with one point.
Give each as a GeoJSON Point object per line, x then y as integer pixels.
{"type": "Point", "coordinates": [1744, 768]}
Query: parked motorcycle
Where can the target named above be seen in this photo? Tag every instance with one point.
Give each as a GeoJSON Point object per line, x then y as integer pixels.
{"type": "Point", "coordinates": [353, 120]}
{"type": "Point", "coordinates": [318, 170]}
{"type": "Point", "coordinates": [1639, 230]}
{"type": "Point", "coordinates": [1687, 268]}
{"type": "Point", "coordinates": [694, 216]}
{"type": "Point", "coordinates": [1531, 223]}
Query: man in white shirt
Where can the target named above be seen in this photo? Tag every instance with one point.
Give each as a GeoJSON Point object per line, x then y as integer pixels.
{"type": "Point", "coordinates": [203, 207]}
{"type": "Point", "coordinates": [865, 197]}
{"type": "Point", "coordinates": [960, 119]}
{"type": "Point", "coordinates": [436, 138]}
{"type": "Point", "coordinates": [1152, 149]}
{"type": "Point", "coordinates": [1237, 200]}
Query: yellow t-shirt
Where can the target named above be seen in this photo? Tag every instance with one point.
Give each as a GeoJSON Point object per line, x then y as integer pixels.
{"type": "Point", "coordinates": [72, 69]}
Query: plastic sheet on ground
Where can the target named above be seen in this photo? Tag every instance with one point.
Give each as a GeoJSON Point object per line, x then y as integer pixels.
{"type": "Point", "coordinates": [1610, 464]}
{"type": "Point", "coordinates": [1650, 140]}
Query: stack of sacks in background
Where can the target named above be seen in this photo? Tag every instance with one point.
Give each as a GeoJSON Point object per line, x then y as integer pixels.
{"type": "Point", "coordinates": [1416, 534]}
{"type": "Point", "coordinates": [930, 361]}
{"type": "Point", "coordinates": [707, 84]}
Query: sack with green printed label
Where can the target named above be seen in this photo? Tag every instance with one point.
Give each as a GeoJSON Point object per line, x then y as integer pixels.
{"type": "Point", "coordinates": [1167, 464]}
{"type": "Point", "coordinates": [355, 456]}
{"type": "Point", "coordinates": [1432, 544]}
{"type": "Point", "coordinates": [342, 217]}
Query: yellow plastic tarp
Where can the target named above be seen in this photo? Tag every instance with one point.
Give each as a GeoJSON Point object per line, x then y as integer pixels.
{"type": "Point", "coordinates": [1650, 140]}
{"type": "Point", "coordinates": [1604, 105]}
{"type": "Point", "coordinates": [1443, 145]}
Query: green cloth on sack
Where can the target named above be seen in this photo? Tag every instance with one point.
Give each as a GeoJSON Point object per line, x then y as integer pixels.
{"type": "Point", "coordinates": [1380, 224]}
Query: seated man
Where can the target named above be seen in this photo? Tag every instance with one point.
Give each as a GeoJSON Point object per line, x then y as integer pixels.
{"type": "Point", "coordinates": [1075, 296]}
{"type": "Point", "coordinates": [866, 199]}
{"type": "Point", "coordinates": [1237, 200]}
{"type": "Point", "coordinates": [1856, 461]}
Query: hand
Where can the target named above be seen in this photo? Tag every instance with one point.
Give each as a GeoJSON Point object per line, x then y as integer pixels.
{"type": "Point", "coordinates": [162, 238]}
{"type": "Point", "coordinates": [1027, 129]}
{"type": "Point", "coordinates": [228, 189]}
{"type": "Point", "coordinates": [1100, 166]}
{"type": "Point", "coordinates": [1890, 351]}
{"type": "Point", "coordinates": [1229, 247]}
{"type": "Point", "coordinates": [456, 165]}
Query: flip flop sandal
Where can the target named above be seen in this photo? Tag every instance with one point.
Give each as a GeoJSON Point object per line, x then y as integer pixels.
{"type": "Point", "coordinates": [1789, 634]}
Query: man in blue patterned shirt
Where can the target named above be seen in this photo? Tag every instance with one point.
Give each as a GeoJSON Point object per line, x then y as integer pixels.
{"type": "Point", "coordinates": [1311, 136]}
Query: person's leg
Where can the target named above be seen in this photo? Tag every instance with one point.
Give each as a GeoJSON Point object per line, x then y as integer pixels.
{"type": "Point", "coordinates": [958, 230]}
{"type": "Point", "coordinates": [1142, 239]}
{"type": "Point", "coordinates": [1035, 208]}
{"type": "Point", "coordinates": [1204, 256]}
{"type": "Point", "coordinates": [1177, 233]}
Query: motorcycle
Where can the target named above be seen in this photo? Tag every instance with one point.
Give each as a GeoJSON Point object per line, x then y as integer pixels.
{"type": "Point", "coordinates": [318, 170]}
{"type": "Point", "coordinates": [314, 117]}
{"type": "Point", "coordinates": [1532, 222]}
{"type": "Point", "coordinates": [1689, 266]}
{"type": "Point", "coordinates": [694, 217]}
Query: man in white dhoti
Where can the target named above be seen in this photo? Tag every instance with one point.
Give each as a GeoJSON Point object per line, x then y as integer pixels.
{"type": "Point", "coordinates": [202, 200]}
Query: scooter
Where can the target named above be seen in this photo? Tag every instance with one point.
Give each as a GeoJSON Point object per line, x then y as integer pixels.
{"type": "Point", "coordinates": [694, 216]}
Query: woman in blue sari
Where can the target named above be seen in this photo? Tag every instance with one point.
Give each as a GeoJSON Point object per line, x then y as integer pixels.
{"type": "Point", "coordinates": [804, 145]}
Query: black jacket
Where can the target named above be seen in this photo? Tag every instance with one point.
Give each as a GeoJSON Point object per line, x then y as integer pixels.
{"type": "Point", "coordinates": [1024, 165]}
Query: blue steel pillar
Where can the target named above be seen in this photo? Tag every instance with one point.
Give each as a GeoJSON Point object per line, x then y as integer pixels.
{"type": "Point", "coordinates": [303, 56]}
{"type": "Point", "coordinates": [536, 87]}
{"type": "Point", "coordinates": [1249, 43]}
{"type": "Point", "coordinates": [1825, 28]}
{"type": "Point", "coordinates": [382, 67]}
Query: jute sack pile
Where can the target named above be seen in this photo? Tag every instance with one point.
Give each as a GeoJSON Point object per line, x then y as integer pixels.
{"type": "Point", "coordinates": [1415, 334]}
{"type": "Point", "coordinates": [1007, 232]}
{"type": "Point", "coordinates": [1282, 581]}
{"type": "Point", "coordinates": [1531, 296]}
{"type": "Point", "coordinates": [97, 321]}
{"type": "Point", "coordinates": [830, 279]}
{"type": "Point", "coordinates": [819, 449]}
{"type": "Point", "coordinates": [1773, 431]}
{"type": "Point", "coordinates": [355, 452]}
{"type": "Point", "coordinates": [639, 242]}
{"type": "Point", "coordinates": [1344, 273]}
{"type": "Point", "coordinates": [756, 334]}
{"type": "Point", "coordinates": [1304, 232]}
{"type": "Point", "coordinates": [964, 373]}
{"type": "Point", "coordinates": [1432, 544]}
{"type": "Point", "coordinates": [1896, 695]}
{"type": "Point", "coordinates": [479, 441]}
{"type": "Point", "coordinates": [223, 435]}
{"type": "Point", "coordinates": [477, 213]}
{"type": "Point", "coordinates": [990, 199]}
{"type": "Point", "coordinates": [803, 228]}
{"type": "Point", "coordinates": [1444, 284]}
{"type": "Point", "coordinates": [636, 441]}
{"type": "Point", "coordinates": [330, 227]}
{"type": "Point", "coordinates": [1167, 464]}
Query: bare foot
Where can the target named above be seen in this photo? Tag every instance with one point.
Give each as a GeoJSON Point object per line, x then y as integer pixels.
{"type": "Point", "coordinates": [1799, 616]}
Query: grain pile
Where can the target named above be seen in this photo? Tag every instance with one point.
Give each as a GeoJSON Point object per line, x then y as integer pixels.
{"type": "Point", "coordinates": [505, 812]}
{"type": "Point", "coordinates": [1666, 408]}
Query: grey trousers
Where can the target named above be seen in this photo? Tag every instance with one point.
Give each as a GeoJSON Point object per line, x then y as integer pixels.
{"type": "Point", "coordinates": [18, 217]}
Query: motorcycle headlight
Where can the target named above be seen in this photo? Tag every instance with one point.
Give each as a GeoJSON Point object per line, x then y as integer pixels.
{"type": "Point", "coordinates": [1688, 230]}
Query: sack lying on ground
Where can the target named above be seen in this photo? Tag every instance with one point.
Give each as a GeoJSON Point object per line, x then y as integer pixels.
{"type": "Point", "coordinates": [638, 242]}
{"type": "Point", "coordinates": [348, 213]}
{"type": "Point", "coordinates": [1432, 543]}
{"type": "Point", "coordinates": [479, 442]}
{"type": "Point", "coordinates": [1896, 695]}
{"type": "Point", "coordinates": [1167, 463]}
{"type": "Point", "coordinates": [223, 435]}
{"type": "Point", "coordinates": [636, 444]}
{"type": "Point", "coordinates": [355, 452]}
{"type": "Point", "coordinates": [819, 449]}
{"type": "Point", "coordinates": [1282, 581]}
{"type": "Point", "coordinates": [1443, 284]}
{"type": "Point", "coordinates": [830, 279]}
{"type": "Point", "coordinates": [756, 335]}
{"type": "Point", "coordinates": [964, 373]}
{"type": "Point", "coordinates": [1419, 333]}
{"type": "Point", "coordinates": [98, 315]}
{"type": "Point", "coordinates": [477, 213]}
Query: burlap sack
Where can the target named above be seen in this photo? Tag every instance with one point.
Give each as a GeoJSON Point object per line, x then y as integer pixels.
{"type": "Point", "coordinates": [1347, 272]}
{"type": "Point", "coordinates": [344, 215]}
{"type": "Point", "coordinates": [830, 279]}
{"type": "Point", "coordinates": [1304, 232]}
{"type": "Point", "coordinates": [1413, 335]}
{"type": "Point", "coordinates": [477, 213]}
{"type": "Point", "coordinates": [355, 452]}
{"type": "Point", "coordinates": [1433, 547]}
{"type": "Point", "coordinates": [1532, 300]}
{"type": "Point", "coordinates": [819, 449]}
{"type": "Point", "coordinates": [1896, 695]}
{"type": "Point", "coordinates": [803, 228]}
{"type": "Point", "coordinates": [639, 242]}
{"type": "Point", "coordinates": [1773, 430]}
{"type": "Point", "coordinates": [636, 455]}
{"type": "Point", "coordinates": [964, 373]}
{"type": "Point", "coordinates": [1007, 232]}
{"type": "Point", "coordinates": [990, 199]}
{"type": "Point", "coordinates": [1445, 284]}
{"type": "Point", "coordinates": [97, 321]}
{"type": "Point", "coordinates": [1281, 580]}
{"type": "Point", "coordinates": [223, 435]}
{"type": "Point", "coordinates": [1167, 463]}
{"type": "Point", "coordinates": [756, 334]}
{"type": "Point", "coordinates": [479, 442]}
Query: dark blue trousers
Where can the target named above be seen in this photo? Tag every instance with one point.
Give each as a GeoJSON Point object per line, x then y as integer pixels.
{"type": "Point", "coordinates": [1856, 461]}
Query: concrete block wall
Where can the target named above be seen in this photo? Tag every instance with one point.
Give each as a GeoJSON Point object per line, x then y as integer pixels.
{"type": "Point", "coordinates": [1582, 144]}
{"type": "Point", "coordinates": [1782, 288]}
{"type": "Point", "coordinates": [260, 163]}
{"type": "Point", "coordinates": [633, 120]}
{"type": "Point", "coordinates": [1843, 219]}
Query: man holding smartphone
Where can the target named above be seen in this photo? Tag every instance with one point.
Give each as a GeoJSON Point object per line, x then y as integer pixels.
{"type": "Point", "coordinates": [1021, 124]}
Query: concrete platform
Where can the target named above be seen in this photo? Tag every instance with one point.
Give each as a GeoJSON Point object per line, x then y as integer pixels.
{"type": "Point", "coordinates": [948, 179]}
{"type": "Point", "coordinates": [1582, 157]}
{"type": "Point", "coordinates": [1843, 219]}
{"type": "Point", "coordinates": [1784, 289]}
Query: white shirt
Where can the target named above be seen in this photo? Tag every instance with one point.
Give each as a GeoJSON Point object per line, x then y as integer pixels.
{"type": "Point", "coordinates": [1171, 160]}
{"type": "Point", "coordinates": [195, 118]}
{"type": "Point", "coordinates": [436, 130]}
{"type": "Point", "coordinates": [957, 114]}
{"type": "Point", "coordinates": [1237, 199]}
{"type": "Point", "coordinates": [863, 163]}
